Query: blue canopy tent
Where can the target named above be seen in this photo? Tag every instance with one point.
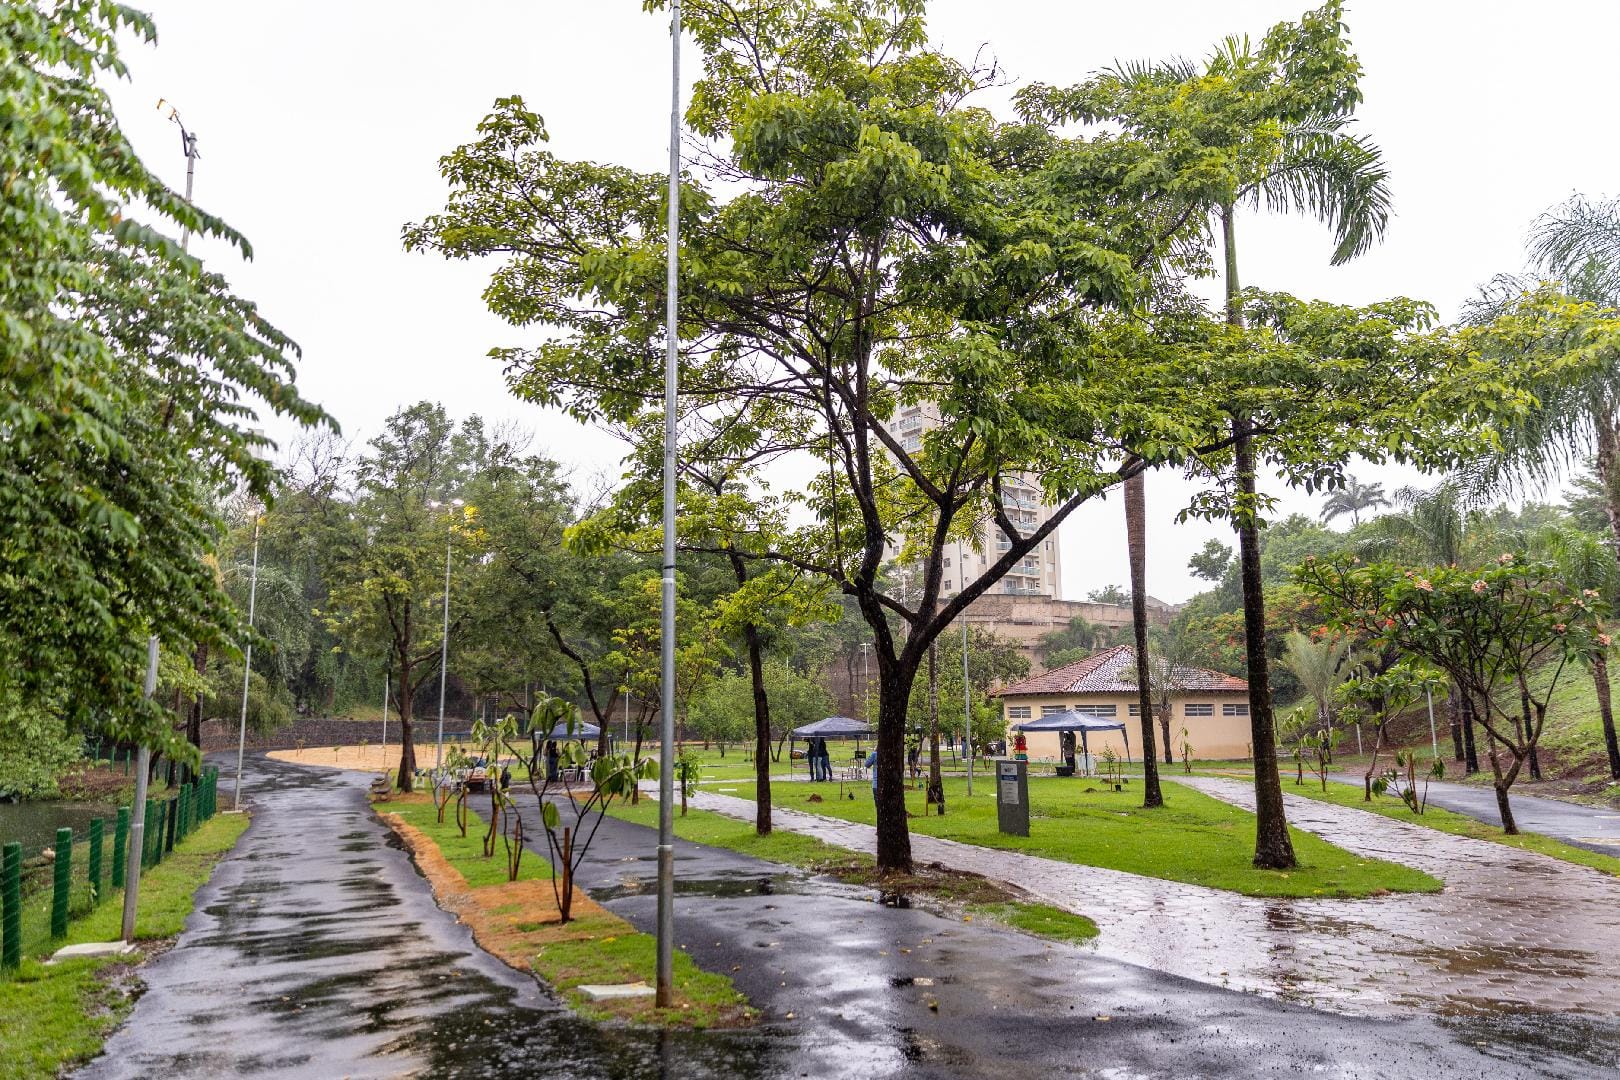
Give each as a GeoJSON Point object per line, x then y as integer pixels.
{"type": "Point", "coordinates": [833, 727]}
{"type": "Point", "coordinates": [584, 731]}
{"type": "Point", "coordinates": [1072, 721]}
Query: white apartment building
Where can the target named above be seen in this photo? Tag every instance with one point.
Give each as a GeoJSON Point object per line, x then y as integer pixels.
{"type": "Point", "coordinates": [1037, 573]}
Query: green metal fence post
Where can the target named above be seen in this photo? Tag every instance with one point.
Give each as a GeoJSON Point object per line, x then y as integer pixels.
{"type": "Point", "coordinates": [61, 881]}
{"type": "Point", "coordinates": [148, 833]}
{"type": "Point", "coordinates": [120, 846]}
{"type": "Point", "coordinates": [11, 905]}
{"type": "Point", "coordinates": [171, 820]}
{"type": "Point", "coordinates": [97, 828]}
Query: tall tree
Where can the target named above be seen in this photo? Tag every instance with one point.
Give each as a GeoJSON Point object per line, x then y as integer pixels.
{"type": "Point", "coordinates": [1265, 126]}
{"type": "Point", "coordinates": [1352, 497]}
{"type": "Point", "coordinates": [875, 242]}
{"type": "Point", "coordinates": [388, 591]}
{"type": "Point", "coordinates": [128, 368]}
{"type": "Point", "coordinates": [1136, 548]}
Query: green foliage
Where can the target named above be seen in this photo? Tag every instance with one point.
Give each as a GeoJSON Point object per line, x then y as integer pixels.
{"type": "Point", "coordinates": [36, 748]}
{"type": "Point", "coordinates": [126, 365]}
{"type": "Point", "coordinates": [992, 662]}
{"type": "Point", "coordinates": [725, 709]}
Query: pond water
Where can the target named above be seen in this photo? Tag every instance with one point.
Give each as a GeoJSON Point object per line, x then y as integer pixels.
{"type": "Point", "coordinates": [35, 823]}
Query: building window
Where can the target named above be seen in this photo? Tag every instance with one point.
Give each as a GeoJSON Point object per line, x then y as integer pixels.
{"type": "Point", "coordinates": [947, 560]}
{"type": "Point", "coordinates": [1052, 710]}
{"type": "Point", "coordinates": [1190, 709]}
{"type": "Point", "coordinates": [1097, 710]}
{"type": "Point", "coordinates": [1230, 709]}
{"type": "Point", "coordinates": [1135, 710]}
{"type": "Point", "coordinates": [1018, 712]}
{"type": "Point", "coordinates": [947, 583]}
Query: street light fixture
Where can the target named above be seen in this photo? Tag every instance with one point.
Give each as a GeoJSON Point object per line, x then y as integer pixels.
{"type": "Point", "coordinates": [444, 645]}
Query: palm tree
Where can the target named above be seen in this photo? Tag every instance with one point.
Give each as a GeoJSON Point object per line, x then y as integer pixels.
{"type": "Point", "coordinates": [1436, 527]}
{"type": "Point", "coordinates": [1320, 666]}
{"type": "Point", "coordinates": [1578, 243]}
{"type": "Point", "coordinates": [1265, 126]}
{"type": "Point", "coordinates": [1352, 498]}
{"type": "Point", "coordinates": [1587, 566]}
{"type": "Point", "coordinates": [1136, 547]}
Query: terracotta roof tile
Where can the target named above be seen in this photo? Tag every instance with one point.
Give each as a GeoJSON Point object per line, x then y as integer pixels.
{"type": "Point", "coordinates": [1113, 671]}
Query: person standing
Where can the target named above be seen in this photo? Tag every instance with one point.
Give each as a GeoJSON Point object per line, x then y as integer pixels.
{"type": "Point", "coordinates": [871, 764]}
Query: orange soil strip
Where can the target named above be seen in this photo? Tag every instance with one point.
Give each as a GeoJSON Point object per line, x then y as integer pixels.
{"type": "Point", "coordinates": [371, 757]}
{"type": "Point", "coordinates": [514, 921]}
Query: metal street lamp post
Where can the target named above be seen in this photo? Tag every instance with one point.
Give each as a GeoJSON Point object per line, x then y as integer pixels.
{"type": "Point", "coordinates": [247, 665]}
{"type": "Point", "coordinates": [444, 644]}
{"type": "Point", "coordinates": [665, 991]}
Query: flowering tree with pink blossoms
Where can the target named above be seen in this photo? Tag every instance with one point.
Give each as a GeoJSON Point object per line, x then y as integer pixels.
{"type": "Point", "coordinates": [1510, 626]}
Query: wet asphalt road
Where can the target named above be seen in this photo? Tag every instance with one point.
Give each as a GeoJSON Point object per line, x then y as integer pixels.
{"type": "Point", "coordinates": [850, 976]}
{"type": "Point", "coordinates": [1592, 827]}
{"type": "Point", "coordinates": [317, 951]}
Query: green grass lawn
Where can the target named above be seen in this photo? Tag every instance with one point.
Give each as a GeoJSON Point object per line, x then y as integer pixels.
{"type": "Point", "coordinates": [1194, 838]}
{"type": "Point", "coordinates": [592, 948]}
{"type": "Point", "coordinates": [54, 1016]}
{"type": "Point", "coordinates": [1457, 824]}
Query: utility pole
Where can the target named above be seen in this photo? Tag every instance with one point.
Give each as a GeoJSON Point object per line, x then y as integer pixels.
{"type": "Point", "coordinates": [137, 824]}
{"type": "Point", "coordinates": [444, 644]}
{"type": "Point", "coordinates": [247, 666]}
{"type": "Point", "coordinates": [143, 753]}
{"type": "Point", "coordinates": [665, 993]}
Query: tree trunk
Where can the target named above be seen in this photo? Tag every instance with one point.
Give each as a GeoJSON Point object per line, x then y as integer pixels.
{"type": "Point", "coordinates": [1600, 680]}
{"type": "Point", "coordinates": [1453, 711]}
{"type": "Point", "coordinates": [893, 835]}
{"type": "Point", "coordinates": [407, 743]}
{"type": "Point", "coordinates": [1470, 753]}
{"type": "Point", "coordinates": [1273, 848]}
{"type": "Point", "coordinates": [1136, 548]}
{"type": "Point", "coordinates": [1509, 826]}
{"type": "Point", "coordinates": [762, 732]}
{"type": "Point", "coordinates": [1378, 744]}
{"type": "Point", "coordinates": [1164, 727]}
{"type": "Point", "coordinates": [935, 796]}
{"type": "Point", "coordinates": [1523, 726]}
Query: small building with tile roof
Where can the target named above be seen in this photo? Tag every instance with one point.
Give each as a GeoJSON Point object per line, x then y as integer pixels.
{"type": "Point", "coordinates": [1214, 708]}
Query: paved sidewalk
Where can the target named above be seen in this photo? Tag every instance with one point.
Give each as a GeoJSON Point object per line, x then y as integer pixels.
{"type": "Point", "coordinates": [1595, 828]}
{"type": "Point", "coordinates": [1511, 931]}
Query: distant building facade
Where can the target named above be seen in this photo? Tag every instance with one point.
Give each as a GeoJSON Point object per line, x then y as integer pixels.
{"type": "Point", "coordinates": [1214, 708]}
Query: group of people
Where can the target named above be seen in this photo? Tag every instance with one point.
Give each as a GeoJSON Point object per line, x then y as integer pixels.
{"type": "Point", "coordinates": [820, 759]}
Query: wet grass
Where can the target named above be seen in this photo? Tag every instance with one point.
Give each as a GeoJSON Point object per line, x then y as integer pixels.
{"type": "Point", "coordinates": [519, 923]}
{"type": "Point", "coordinates": [55, 1016]}
{"type": "Point", "coordinates": [1193, 838]}
{"type": "Point", "coordinates": [1434, 817]}
{"type": "Point", "coordinates": [1042, 920]}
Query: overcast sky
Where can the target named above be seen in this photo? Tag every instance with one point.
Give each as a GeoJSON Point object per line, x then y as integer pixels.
{"type": "Point", "coordinates": [320, 123]}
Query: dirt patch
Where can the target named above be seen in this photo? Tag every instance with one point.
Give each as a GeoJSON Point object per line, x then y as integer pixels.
{"type": "Point", "coordinates": [361, 758]}
{"type": "Point", "coordinates": [517, 921]}
{"type": "Point", "coordinates": [96, 783]}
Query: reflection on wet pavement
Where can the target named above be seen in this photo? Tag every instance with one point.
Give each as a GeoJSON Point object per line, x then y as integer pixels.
{"type": "Point", "coordinates": [317, 951]}
{"type": "Point", "coordinates": [1512, 931]}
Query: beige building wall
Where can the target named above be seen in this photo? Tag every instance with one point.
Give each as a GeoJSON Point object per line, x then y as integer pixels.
{"type": "Point", "coordinates": [1223, 735]}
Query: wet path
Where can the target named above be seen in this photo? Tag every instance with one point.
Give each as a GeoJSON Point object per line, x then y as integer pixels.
{"type": "Point", "coordinates": [1595, 828]}
{"type": "Point", "coordinates": [1511, 932]}
{"type": "Point", "coordinates": [317, 951]}
{"type": "Point", "coordinates": [871, 990]}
